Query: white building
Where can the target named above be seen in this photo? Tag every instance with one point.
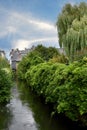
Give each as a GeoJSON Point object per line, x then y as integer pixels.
{"type": "Point", "coordinates": [2, 53]}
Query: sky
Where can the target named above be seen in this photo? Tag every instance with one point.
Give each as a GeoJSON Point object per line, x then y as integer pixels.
{"type": "Point", "coordinates": [24, 23]}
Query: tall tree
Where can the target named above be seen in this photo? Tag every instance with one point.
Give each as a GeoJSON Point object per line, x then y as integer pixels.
{"type": "Point", "coordinates": [46, 53]}
{"type": "Point", "coordinates": [72, 29]}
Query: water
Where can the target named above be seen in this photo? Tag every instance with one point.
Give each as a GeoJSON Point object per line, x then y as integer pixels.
{"type": "Point", "coordinates": [26, 111]}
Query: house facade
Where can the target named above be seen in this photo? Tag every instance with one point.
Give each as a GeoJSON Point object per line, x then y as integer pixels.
{"type": "Point", "coordinates": [17, 55]}
{"type": "Point", "coordinates": [2, 53]}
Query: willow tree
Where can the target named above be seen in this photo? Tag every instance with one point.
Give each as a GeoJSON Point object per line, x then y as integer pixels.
{"type": "Point", "coordinates": [72, 29]}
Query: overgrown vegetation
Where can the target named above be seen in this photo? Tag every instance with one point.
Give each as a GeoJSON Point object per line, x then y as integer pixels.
{"type": "Point", "coordinates": [63, 85]}
{"type": "Point", "coordinates": [39, 55]}
{"type": "Point", "coordinates": [4, 62]}
{"type": "Point", "coordinates": [5, 81]}
{"type": "Point", "coordinates": [54, 76]}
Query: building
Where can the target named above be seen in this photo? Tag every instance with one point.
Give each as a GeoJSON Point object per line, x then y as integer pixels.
{"type": "Point", "coordinates": [2, 53]}
{"type": "Point", "coordinates": [17, 55]}
{"type": "Point", "coordinates": [61, 50]}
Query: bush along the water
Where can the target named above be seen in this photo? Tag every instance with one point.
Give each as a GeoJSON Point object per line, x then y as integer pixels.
{"type": "Point", "coordinates": [5, 86]}
{"type": "Point", "coordinates": [31, 59]}
{"type": "Point", "coordinates": [4, 63]}
{"type": "Point", "coordinates": [39, 55]}
{"type": "Point", "coordinates": [63, 85]}
{"type": "Point", "coordinates": [5, 80]}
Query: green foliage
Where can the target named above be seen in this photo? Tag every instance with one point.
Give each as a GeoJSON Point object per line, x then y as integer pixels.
{"type": "Point", "coordinates": [5, 86]}
{"type": "Point", "coordinates": [3, 62]}
{"type": "Point", "coordinates": [72, 30]}
{"type": "Point", "coordinates": [39, 55]}
{"type": "Point", "coordinates": [60, 59]}
{"type": "Point", "coordinates": [5, 80]}
{"type": "Point", "coordinates": [28, 61]}
{"type": "Point", "coordinates": [46, 53]}
{"type": "Point", "coordinates": [64, 86]}
{"type": "Point", "coordinates": [39, 77]}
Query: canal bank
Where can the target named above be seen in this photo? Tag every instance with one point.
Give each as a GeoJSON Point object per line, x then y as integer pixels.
{"type": "Point", "coordinates": [26, 111]}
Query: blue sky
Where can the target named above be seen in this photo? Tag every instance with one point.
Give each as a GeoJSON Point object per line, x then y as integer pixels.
{"type": "Point", "coordinates": [24, 23]}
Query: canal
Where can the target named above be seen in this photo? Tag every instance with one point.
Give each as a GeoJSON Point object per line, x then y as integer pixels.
{"type": "Point", "coordinates": [26, 111]}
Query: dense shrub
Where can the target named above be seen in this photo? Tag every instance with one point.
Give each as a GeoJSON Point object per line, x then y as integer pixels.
{"type": "Point", "coordinates": [60, 59]}
{"type": "Point", "coordinates": [39, 77]}
{"type": "Point", "coordinates": [39, 55]}
{"type": "Point", "coordinates": [5, 80]}
{"type": "Point", "coordinates": [3, 62]}
{"type": "Point", "coordinates": [5, 86]}
{"type": "Point", "coordinates": [46, 53]}
{"type": "Point", "coordinates": [63, 85]}
{"type": "Point", "coordinates": [31, 59]}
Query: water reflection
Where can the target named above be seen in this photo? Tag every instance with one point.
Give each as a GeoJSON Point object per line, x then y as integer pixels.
{"type": "Point", "coordinates": [5, 117]}
{"type": "Point", "coordinates": [26, 111]}
{"type": "Point", "coordinates": [22, 115]}
{"type": "Point", "coordinates": [42, 112]}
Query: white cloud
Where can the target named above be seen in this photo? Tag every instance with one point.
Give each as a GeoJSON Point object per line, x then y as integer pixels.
{"type": "Point", "coordinates": [22, 43]}
{"type": "Point", "coordinates": [42, 25]}
{"type": "Point", "coordinates": [26, 30]}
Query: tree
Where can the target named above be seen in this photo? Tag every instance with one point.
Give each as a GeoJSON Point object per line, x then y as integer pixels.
{"type": "Point", "coordinates": [27, 62]}
{"type": "Point", "coordinates": [72, 29]}
{"type": "Point", "coordinates": [39, 55]}
{"type": "Point", "coordinates": [46, 53]}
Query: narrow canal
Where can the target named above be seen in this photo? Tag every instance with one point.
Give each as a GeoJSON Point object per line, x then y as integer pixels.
{"type": "Point", "coordinates": [26, 111]}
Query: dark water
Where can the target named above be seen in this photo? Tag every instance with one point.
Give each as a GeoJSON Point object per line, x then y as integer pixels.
{"type": "Point", "coordinates": [26, 111]}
